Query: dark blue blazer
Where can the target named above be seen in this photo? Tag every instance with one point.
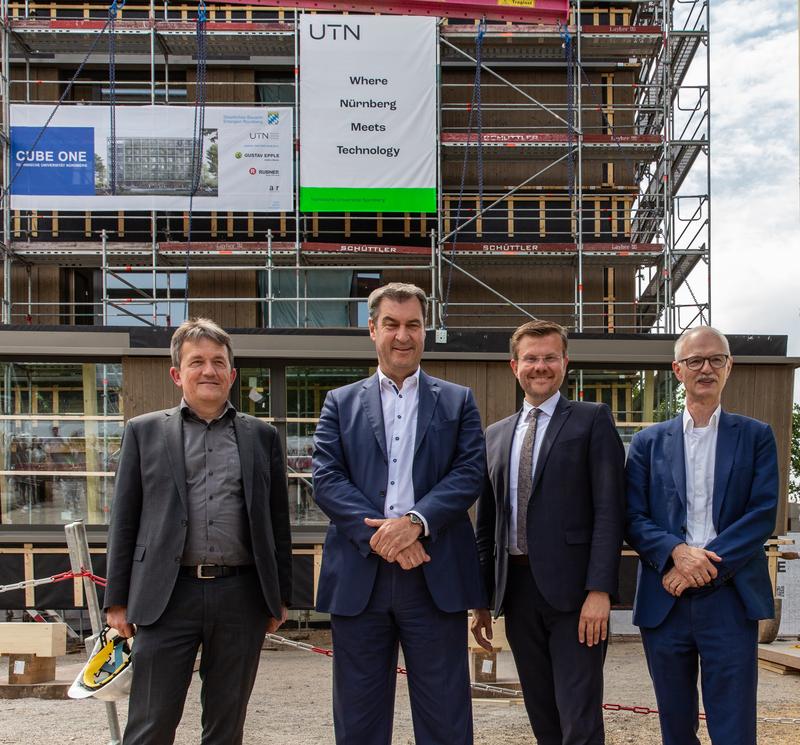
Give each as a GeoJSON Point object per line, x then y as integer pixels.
{"type": "Point", "coordinates": [745, 503]}
{"type": "Point", "coordinates": [575, 514]}
{"type": "Point", "coordinates": [350, 468]}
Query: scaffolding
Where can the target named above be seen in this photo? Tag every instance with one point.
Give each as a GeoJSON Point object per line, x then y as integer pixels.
{"type": "Point", "coordinates": [590, 203]}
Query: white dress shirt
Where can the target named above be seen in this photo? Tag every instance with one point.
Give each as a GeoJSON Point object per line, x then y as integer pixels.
{"type": "Point", "coordinates": [547, 409]}
{"type": "Point", "coordinates": [700, 450]}
{"type": "Point", "coordinates": [400, 407]}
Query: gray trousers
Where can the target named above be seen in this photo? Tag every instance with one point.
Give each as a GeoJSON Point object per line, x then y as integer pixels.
{"type": "Point", "coordinates": [228, 617]}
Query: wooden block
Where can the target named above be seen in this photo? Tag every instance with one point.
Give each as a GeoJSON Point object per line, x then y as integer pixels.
{"type": "Point", "coordinates": [42, 639]}
{"type": "Point", "coordinates": [484, 666]}
{"type": "Point", "coordinates": [30, 668]}
{"type": "Point", "coordinates": [776, 667]}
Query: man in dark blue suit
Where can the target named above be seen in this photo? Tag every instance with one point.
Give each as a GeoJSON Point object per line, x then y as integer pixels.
{"type": "Point", "coordinates": [702, 500]}
{"type": "Point", "coordinates": [398, 461]}
{"type": "Point", "coordinates": [549, 531]}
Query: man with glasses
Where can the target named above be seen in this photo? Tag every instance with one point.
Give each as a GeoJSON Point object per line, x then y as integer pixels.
{"type": "Point", "coordinates": [549, 530]}
{"type": "Point", "coordinates": [702, 500]}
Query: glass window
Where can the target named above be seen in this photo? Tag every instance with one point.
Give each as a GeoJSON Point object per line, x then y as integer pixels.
{"type": "Point", "coordinates": [637, 398]}
{"type": "Point", "coordinates": [130, 299]}
{"type": "Point", "coordinates": [254, 392]}
{"type": "Point", "coordinates": [306, 388]}
{"type": "Point", "coordinates": [60, 432]}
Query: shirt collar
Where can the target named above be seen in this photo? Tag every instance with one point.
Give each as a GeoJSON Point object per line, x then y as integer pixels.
{"type": "Point", "coordinates": [548, 406]}
{"type": "Point", "coordinates": [688, 422]}
{"type": "Point", "coordinates": [411, 381]}
{"type": "Point", "coordinates": [228, 413]}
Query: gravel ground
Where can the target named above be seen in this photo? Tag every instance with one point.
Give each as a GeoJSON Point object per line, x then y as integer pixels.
{"type": "Point", "coordinates": [291, 705]}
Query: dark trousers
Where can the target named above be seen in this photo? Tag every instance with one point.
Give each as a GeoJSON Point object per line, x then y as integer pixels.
{"type": "Point", "coordinates": [229, 618]}
{"type": "Point", "coordinates": [401, 611]}
{"type": "Point", "coordinates": [562, 679]}
{"type": "Point", "coordinates": [709, 631]}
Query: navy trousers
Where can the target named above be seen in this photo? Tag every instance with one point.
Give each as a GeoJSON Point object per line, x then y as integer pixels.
{"type": "Point", "coordinates": [401, 612]}
{"type": "Point", "coordinates": [228, 617]}
{"type": "Point", "coordinates": [562, 679]}
{"type": "Point", "coordinates": [708, 630]}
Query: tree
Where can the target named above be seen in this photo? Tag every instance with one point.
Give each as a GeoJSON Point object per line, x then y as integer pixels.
{"type": "Point", "coordinates": [794, 464]}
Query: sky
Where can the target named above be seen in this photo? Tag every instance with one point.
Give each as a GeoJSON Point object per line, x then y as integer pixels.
{"type": "Point", "coordinates": [755, 221]}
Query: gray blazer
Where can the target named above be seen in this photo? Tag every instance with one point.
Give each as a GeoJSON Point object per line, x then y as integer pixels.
{"type": "Point", "coordinates": [149, 518]}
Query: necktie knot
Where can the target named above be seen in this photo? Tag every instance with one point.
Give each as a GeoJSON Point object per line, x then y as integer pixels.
{"type": "Point", "coordinates": [533, 414]}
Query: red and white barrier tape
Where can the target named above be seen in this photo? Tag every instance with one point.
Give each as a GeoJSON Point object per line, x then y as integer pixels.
{"type": "Point", "coordinates": [513, 693]}
{"type": "Point", "coordinates": [63, 577]}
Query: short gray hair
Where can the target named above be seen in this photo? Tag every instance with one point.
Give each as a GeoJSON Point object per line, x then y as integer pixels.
{"type": "Point", "coordinates": [195, 329]}
{"type": "Point", "coordinates": [699, 330]}
{"type": "Point", "coordinates": [399, 292]}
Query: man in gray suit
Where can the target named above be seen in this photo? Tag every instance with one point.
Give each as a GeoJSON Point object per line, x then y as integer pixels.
{"type": "Point", "coordinates": [199, 546]}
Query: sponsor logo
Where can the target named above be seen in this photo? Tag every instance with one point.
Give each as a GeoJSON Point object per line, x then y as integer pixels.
{"type": "Point", "coordinates": [335, 31]}
{"type": "Point", "coordinates": [253, 171]}
{"type": "Point", "coordinates": [273, 117]}
{"type": "Point", "coordinates": [237, 155]}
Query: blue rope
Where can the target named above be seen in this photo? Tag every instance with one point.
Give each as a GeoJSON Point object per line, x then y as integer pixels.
{"type": "Point", "coordinates": [475, 108]}
{"type": "Point", "coordinates": [569, 59]}
{"type": "Point", "coordinates": [112, 91]}
{"type": "Point", "coordinates": [197, 131]}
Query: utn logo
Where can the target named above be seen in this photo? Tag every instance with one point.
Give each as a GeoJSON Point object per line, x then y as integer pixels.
{"type": "Point", "coordinates": [335, 32]}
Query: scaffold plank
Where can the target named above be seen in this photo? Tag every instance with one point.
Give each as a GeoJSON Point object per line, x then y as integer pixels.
{"type": "Point", "coordinates": [532, 11]}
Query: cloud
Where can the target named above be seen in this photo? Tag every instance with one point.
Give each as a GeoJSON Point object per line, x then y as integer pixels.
{"type": "Point", "coordinates": [755, 248]}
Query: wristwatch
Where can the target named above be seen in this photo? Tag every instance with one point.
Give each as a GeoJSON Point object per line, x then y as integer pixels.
{"type": "Point", "coordinates": [415, 520]}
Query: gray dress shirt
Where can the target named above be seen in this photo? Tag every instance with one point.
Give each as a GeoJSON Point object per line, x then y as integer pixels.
{"type": "Point", "coordinates": [219, 530]}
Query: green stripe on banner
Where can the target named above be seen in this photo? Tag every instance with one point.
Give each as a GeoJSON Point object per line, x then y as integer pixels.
{"type": "Point", "coordinates": [324, 199]}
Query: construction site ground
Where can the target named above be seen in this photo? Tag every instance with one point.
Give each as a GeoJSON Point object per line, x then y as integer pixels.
{"type": "Point", "coordinates": [291, 705]}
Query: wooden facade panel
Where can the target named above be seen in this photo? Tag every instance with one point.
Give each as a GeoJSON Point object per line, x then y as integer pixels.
{"type": "Point", "coordinates": [226, 85]}
{"type": "Point", "coordinates": [492, 384]}
{"type": "Point", "coordinates": [42, 84]}
{"type": "Point", "coordinates": [231, 315]}
{"type": "Point", "coordinates": [546, 291]}
{"type": "Point", "coordinates": [43, 281]}
{"type": "Point", "coordinates": [765, 392]}
{"type": "Point", "coordinates": [148, 386]}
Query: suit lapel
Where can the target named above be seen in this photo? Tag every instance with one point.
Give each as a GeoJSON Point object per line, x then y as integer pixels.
{"type": "Point", "coordinates": [560, 416]}
{"type": "Point", "coordinates": [677, 459]}
{"type": "Point", "coordinates": [505, 441]}
{"type": "Point", "coordinates": [173, 433]}
{"type": "Point", "coordinates": [370, 395]}
{"type": "Point", "coordinates": [244, 442]}
{"type": "Point", "coordinates": [727, 440]}
{"type": "Point", "coordinates": [428, 396]}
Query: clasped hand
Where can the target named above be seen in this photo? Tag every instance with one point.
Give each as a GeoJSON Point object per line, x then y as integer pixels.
{"type": "Point", "coordinates": [694, 567]}
{"type": "Point", "coordinates": [397, 539]}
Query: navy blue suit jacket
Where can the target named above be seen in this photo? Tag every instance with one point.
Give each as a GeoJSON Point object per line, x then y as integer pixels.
{"type": "Point", "coordinates": [350, 468]}
{"type": "Point", "coordinates": [575, 513]}
{"type": "Point", "coordinates": [744, 507]}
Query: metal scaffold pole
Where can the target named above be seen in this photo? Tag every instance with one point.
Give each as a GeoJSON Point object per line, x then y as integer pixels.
{"type": "Point", "coordinates": [579, 174]}
{"type": "Point", "coordinates": [80, 559]}
{"type": "Point", "coordinates": [6, 92]}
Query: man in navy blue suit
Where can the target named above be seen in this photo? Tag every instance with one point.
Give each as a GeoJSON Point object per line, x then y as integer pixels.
{"type": "Point", "coordinates": [398, 461]}
{"type": "Point", "coordinates": [702, 500]}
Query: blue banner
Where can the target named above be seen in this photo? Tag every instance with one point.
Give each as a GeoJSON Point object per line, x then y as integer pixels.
{"type": "Point", "coordinates": [62, 163]}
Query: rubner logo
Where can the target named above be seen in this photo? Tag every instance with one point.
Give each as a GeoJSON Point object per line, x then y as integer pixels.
{"type": "Point", "coordinates": [335, 31]}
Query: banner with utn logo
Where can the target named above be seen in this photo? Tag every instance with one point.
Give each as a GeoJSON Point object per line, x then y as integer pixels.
{"type": "Point", "coordinates": [367, 114]}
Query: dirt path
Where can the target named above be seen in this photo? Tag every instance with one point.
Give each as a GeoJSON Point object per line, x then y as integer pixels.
{"type": "Point", "coordinates": [291, 705]}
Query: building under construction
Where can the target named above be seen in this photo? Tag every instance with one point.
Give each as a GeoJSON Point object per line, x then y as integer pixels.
{"type": "Point", "coordinates": [573, 168]}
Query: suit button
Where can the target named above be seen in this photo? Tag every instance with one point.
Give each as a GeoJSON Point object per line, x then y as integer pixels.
{"type": "Point", "coordinates": [381, 493]}
{"type": "Point", "coordinates": [184, 523]}
{"type": "Point", "coordinates": [683, 529]}
{"type": "Point", "coordinates": [177, 559]}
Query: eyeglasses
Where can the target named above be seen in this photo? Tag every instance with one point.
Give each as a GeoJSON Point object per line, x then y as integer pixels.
{"type": "Point", "coordinates": [549, 360]}
{"type": "Point", "coordinates": [717, 361]}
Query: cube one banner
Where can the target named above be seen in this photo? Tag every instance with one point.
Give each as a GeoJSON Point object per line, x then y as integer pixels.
{"type": "Point", "coordinates": [154, 161]}
{"type": "Point", "coordinates": [367, 113]}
